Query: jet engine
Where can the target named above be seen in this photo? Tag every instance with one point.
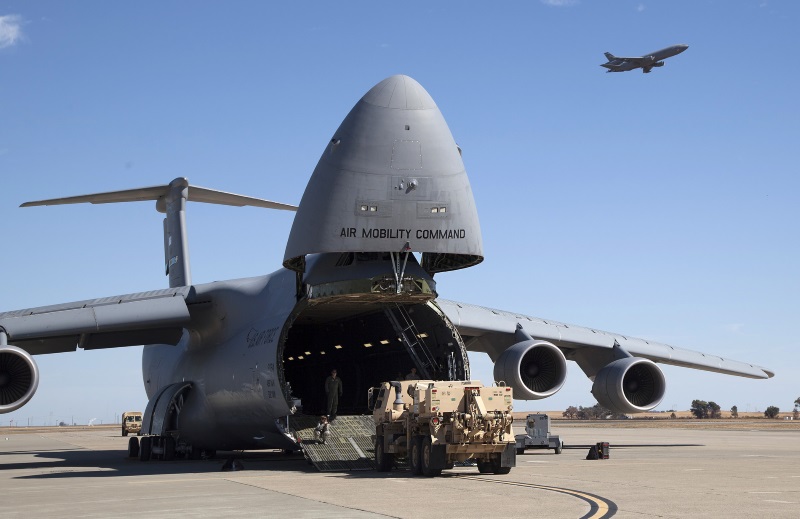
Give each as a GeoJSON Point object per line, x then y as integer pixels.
{"type": "Point", "coordinates": [658, 64]}
{"type": "Point", "coordinates": [19, 378]}
{"type": "Point", "coordinates": [534, 369]}
{"type": "Point", "coordinates": [629, 385]}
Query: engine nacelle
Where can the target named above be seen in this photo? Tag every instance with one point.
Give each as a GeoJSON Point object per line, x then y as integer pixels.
{"type": "Point", "coordinates": [629, 385]}
{"type": "Point", "coordinates": [534, 369]}
{"type": "Point", "coordinates": [658, 64]}
{"type": "Point", "coordinates": [19, 378]}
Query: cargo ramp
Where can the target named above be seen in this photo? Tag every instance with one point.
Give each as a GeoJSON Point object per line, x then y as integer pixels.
{"type": "Point", "coordinates": [351, 445]}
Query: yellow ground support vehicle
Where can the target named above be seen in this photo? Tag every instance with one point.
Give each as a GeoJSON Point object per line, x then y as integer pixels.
{"type": "Point", "coordinates": [131, 422]}
{"type": "Point", "coordinates": [435, 424]}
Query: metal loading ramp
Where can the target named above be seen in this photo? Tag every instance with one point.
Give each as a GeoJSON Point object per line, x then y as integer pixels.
{"type": "Point", "coordinates": [350, 447]}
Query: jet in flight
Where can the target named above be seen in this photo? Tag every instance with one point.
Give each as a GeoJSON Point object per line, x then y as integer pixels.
{"type": "Point", "coordinates": [646, 63]}
{"type": "Point", "coordinates": [387, 210]}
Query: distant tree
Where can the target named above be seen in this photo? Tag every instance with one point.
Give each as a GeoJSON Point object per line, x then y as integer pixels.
{"type": "Point", "coordinates": [592, 413]}
{"type": "Point", "coordinates": [703, 409]}
{"type": "Point", "coordinates": [699, 408]}
{"type": "Point", "coordinates": [570, 413]}
{"type": "Point", "coordinates": [734, 412]}
{"type": "Point", "coordinates": [673, 416]}
{"type": "Point", "coordinates": [772, 412]}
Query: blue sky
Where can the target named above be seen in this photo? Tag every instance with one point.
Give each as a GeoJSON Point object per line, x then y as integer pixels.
{"type": "Point", "coordinates": [662, 206]}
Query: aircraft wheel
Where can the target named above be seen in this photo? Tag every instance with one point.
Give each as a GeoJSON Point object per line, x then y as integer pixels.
{"type": "Point", "coordinates": [145, 448]}
{"type": "Point", "coordinates": [133, 447]}
{"type": "Point", "coordinates": [169, 449]}
{"type": "Point", "coordinates": [383, 460]}
{"type": "Point", "coordinates": [415, 455]}
{"type": "Point", "coordinates": [427, 470]}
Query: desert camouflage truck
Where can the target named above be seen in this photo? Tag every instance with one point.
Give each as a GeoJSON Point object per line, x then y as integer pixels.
{"type": "Point", "coordinates": [435, 424]}
{"type": "Point", "coordinates": [131, 422]}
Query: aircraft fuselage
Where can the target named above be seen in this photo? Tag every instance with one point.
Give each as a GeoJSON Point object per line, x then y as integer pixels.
{"type": "Point", "coordinates": [256, 350]}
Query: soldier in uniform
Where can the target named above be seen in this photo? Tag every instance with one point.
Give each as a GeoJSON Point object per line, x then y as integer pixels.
{"type": "Point", "coordinates": [333, 389]}
{"type": "Point", "coordinates": [321, 431]}
{"type": "Point", "coordinates": [413, 375]}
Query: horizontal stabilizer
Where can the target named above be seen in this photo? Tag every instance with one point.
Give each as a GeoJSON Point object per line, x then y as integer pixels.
{"type": "Point", "coordinates": [159, 193]}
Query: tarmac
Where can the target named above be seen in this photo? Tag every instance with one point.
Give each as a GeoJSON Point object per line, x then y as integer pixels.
{"type": "Point", "coordinates": [653, 472]}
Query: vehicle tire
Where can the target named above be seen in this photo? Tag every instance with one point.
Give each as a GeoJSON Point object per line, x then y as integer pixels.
{"type": "Point", "coordinates": [415, 455]}
{"type": "Point", "coordinates": [558, 449]}
{"type": "Point", "coordinates": [427, 457]}
{"type": "Point", "coordinates": [124, 432]}
{"type": "Point", "coordinates": [169, 449]}
{"type": "Point", "coordinates": [497, 468]}
{"type": "Point", "coordinates": [383, 460]}
{"type": "Point", "coordinates": [133, 447]}
{"type": "Point", "coordinates": [484, 467]}
{"type": "Point", "coordinates": [145, 448]}
{"type": "Point", "coordinates": [520, 451]}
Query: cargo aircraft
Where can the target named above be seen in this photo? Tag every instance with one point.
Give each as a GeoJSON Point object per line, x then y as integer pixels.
{"type": "Point", "coordinates": [646, 63]}
{"type": "Point", "coordinates": [387, 209]}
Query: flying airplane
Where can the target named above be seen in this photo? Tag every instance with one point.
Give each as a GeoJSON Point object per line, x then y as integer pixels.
{"type": "Point", "coordinates": [388, 209]}
{"type": "Point", "coordinates": [646, 63]}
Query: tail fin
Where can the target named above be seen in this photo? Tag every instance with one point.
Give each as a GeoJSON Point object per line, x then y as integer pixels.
{"type": "Point", "coordinates": [170, 199]}
{"type": "Point", "coordinates": [609, 56]}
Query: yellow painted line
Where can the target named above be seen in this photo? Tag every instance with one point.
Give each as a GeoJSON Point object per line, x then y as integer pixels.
{"type": "Point", "coordinates": [600, 507]}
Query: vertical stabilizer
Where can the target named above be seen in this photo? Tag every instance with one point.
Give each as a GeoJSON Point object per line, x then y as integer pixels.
{"type": "Point", "coordinates": [176, 246]}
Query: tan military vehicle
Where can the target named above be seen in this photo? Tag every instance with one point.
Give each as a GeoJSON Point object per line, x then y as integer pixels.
{"type": "Point", "coordinates": [131, 422]}
{"type": "Point", "coordinates": [435, 424]}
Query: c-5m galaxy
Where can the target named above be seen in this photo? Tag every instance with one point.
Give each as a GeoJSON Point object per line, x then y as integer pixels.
{"type": "Point", "coordinates": [646, 62]}
{"type": "Point", "coordinates": [388, 207]}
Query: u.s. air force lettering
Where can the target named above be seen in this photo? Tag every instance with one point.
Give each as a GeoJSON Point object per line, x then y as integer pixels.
{"type": "Point", "coordinates": [403, 234]}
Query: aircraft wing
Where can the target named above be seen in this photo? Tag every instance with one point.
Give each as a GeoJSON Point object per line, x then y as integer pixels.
{"type": "Point", "coordinates": [155, 317]}
{"type": "Point", "coordinates": [493, 331]}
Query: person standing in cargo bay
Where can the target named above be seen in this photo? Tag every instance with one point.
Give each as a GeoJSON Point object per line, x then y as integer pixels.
{"type": "Point", "coordinates": [333, 389]}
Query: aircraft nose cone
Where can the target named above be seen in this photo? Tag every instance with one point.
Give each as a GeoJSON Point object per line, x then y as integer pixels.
{"type": "Point", "coordinates": [399, 92]}
{"type": "Point", "coordinates": [391, 179]}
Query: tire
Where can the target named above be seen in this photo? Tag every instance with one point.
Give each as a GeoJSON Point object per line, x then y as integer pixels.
{"type": "Point", "coordinates": [169, 449]}
{"type": "Point", "coordinates": [558, 449]}
{"type": "Point", "coordinates": [497, 468]}
{"type": "Point", "coordinates": [415, 455]}
{"type": "Point", "coordinates": [133, 447]}
{"type": "Point", "coordinates": [145, 448]}
{"type": "Point", "coordinates": [484, 467]}
{"type": "Point", "coordinates": [427, 455]}
{"type": "Point", "coordinates": [383, 460]}
{"type": "Point", "coordinates": [124, 432]}
{"type": "Point", "coordinates": [520, 451]}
